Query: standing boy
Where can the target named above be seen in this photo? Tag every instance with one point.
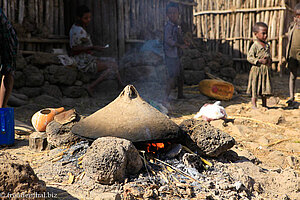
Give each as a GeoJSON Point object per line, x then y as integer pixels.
{"type": "Point", "coordinates": [8, 52]}
{"type": "Point", "coordinates": [293, 52]}
{"type": "Point", "coordinates": [173, 43]}
{"type": "Point", "coordinates": [260, 57]}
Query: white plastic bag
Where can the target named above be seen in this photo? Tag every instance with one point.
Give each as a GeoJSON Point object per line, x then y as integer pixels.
{"type": "Point", "coordinates": [210, 112]}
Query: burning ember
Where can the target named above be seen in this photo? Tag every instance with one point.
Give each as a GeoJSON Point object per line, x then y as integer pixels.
{"type": "Point", "coordinates": [155, 148]}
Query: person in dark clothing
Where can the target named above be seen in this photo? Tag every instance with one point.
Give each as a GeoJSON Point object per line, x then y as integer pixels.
{"type": "Point", "coordinates": [173, 45]}
{"type": "Point", "coordinates": [293, 52]}
{"type": "Point", "coordinates": [8, 52]}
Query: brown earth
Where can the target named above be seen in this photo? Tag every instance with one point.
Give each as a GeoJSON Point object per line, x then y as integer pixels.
{"type": "Point", "coordinates": [269, 134]}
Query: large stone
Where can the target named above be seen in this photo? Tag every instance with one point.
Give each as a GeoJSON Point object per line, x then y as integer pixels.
{"type": "Point", "coordinates": [151, 58]}
{"type": "Point", "coordinates": [20, 62]}
{"type": "Point", "coordinates": [193, 77]}
{"type": "Point", "coordinates": [107, 196]}
{"type": "Point", "coordinates": [105, 87]}
{"type": "Point", "coordinates": [84, 77]}
{"type": "Point", "coordinates": [52, 90]}
{"type": "Point", "coordinates": [60, 135]}
{"type": "Point", "coordinates": [74, 91]}
{"type": "Point", "coordinates": [214, 66]}
{"type": "Point", "coordinates": [110, 159]}
{"type": "Point", "coordinates": [43, 59]}
{"type": "Point", "coordinates": [192, 53]}
{"type": "Point", "coordinates": [204, 138]}
{"type": "Point", "coordinates": [141, 58]}
{"type": "Point", "coordinates": [31, 91]}
{"type": "Point", "coordinates": [186, 62]}
{"type": "Point", "coordinates": [47, 101]}
{"type": "Point", "coordinates": [15, 102]}
{"type": "Point", "coordinates": [19, 79]}
{"type": "Point", "coordinates": [33, 76]}
{"type": "Point", "coordinates": [139, 73]}
{"type": "Point", "coordinates": [60, 75]}
{"type": "Point", "coordinates": [17, 177]}
{"type": "Point", "coordinates": [228, 72]}
{"type": "Point", "coordinates": [198, 64]}
{"type": "Point", "coordinates": [227, 61]}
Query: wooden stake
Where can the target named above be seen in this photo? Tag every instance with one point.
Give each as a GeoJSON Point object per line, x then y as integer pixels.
{"type": "Point", "coordinates": [21, 11]}
{"type": "Point", "coordinates": [61, 18]}
{"type": "Point", "coordinates": [121, 28]}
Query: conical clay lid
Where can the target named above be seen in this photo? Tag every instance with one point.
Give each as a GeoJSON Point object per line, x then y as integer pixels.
{"type": "Point", "coordinates": [128, 117]}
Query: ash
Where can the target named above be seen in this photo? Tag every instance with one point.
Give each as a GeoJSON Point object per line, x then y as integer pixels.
{"type": "Point", "coordinates": [183, 176]}
{"type": "Point", "coordinates": [60, 163]}
{"type": "Point", "coordinates": [183, 182]}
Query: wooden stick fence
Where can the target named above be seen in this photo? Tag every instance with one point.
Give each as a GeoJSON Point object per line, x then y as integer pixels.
{"type": "Point", "coordinates": [226, 26]}
{"type": "Point", "coordinates": [46, 19]}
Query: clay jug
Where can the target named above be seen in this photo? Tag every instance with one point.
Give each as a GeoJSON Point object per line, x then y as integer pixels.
{"type": "Point", "coordinates": [43, 117]}
{"type": "Point", "coordinates": [128, 117]}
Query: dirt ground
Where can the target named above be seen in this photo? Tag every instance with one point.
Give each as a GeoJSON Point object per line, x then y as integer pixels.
{"type": "Point", "coordinates": [270, 134]}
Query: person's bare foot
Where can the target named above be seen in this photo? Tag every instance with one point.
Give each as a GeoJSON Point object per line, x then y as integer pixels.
{"type": "Point", "coordinates": [254, 107]}
{"type": "Point", "coordinates": [290, 101]}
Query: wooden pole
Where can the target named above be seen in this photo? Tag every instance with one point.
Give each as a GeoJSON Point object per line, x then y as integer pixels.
{"type": "Point", "coordinates": [273, 34]}
{"type": "Point", "coordinates": [222, 35]}
{"type": "Point", "coordinates": [203, 22]}
{"type": "Point", "coordinates": [121, 27]}
{"type": "Point", "coordinates": [258, 14]}
{"type": "Point", "coordinates": [21, 11]}
{"type": "Point", "coordinates": [241, 41]}
{"type": "Point", "coordinates": [127, 18]}
{"type": "Point", "coordinates": [206, 20]}
{"type": "Point", "coordinates": [280, 49]}
{"type": "Point", "coordinates": [5, 7]}
{"type": "Point", "coordinates": [212, 32]}
{"type": "Point", "coordinates": [61, 18]}
{"type": "Point", "coordinates": [227, 3]}
{"type": "Point", "coordinates": [51, 16]}
{"type": "Point", "coordinates": [240, 10]}
{"type": "Point", "coordinates": [217, 26]}
{"type": "Point", "coordinates": [13, 6]}
{"type": "Point", "coordinates": [114, 20]}
{"type": "Point", "coordinates": [236, 45]}
{"type": "Point", "coordinates": [267, 15]}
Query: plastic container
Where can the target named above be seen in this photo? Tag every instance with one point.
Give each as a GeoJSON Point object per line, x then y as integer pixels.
{"type": "Point", "coordinates": [7, 126]}
{"type": "Point", "coordinates": [216, 89]}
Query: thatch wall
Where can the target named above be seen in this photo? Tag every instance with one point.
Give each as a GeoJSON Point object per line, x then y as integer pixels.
{"type": "Point", "coordinates": [226, 26]}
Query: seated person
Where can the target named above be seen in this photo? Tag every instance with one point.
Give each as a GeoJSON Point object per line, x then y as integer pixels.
{"type": "Point", "coordinates": [82, 47]}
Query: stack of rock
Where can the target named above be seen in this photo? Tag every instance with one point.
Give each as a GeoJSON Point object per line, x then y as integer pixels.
{"type": "Point", "coordinates": [197, 63]}
{"type": "Point", "coordinates": [42, 73]}
{"type": "Point", "coordinates": [147, 72]}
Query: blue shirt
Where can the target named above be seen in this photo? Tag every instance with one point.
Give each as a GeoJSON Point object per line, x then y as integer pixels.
{"type": "Point", "coordinates": [171, 34]}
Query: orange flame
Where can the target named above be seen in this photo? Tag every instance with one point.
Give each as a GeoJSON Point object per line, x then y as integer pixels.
{"type": "Point", "coordinates": [152, 147]}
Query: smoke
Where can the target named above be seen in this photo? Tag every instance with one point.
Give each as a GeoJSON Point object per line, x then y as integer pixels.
{"type": "Point", "coordinates": [144, 68]}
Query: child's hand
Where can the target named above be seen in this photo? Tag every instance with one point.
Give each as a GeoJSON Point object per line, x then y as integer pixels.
{"type": "Point", "coordinates": [183, 46]}
{"type": "Point", "coordinates": [263, 61]}
{"type": "Point", "coordinates": [187, 43]}
{"type": "Point", "coordinates": [98, 48]}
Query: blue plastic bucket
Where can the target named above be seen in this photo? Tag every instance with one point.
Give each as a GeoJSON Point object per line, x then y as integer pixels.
{"type": "Point", "coordinates": [7, 126]}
